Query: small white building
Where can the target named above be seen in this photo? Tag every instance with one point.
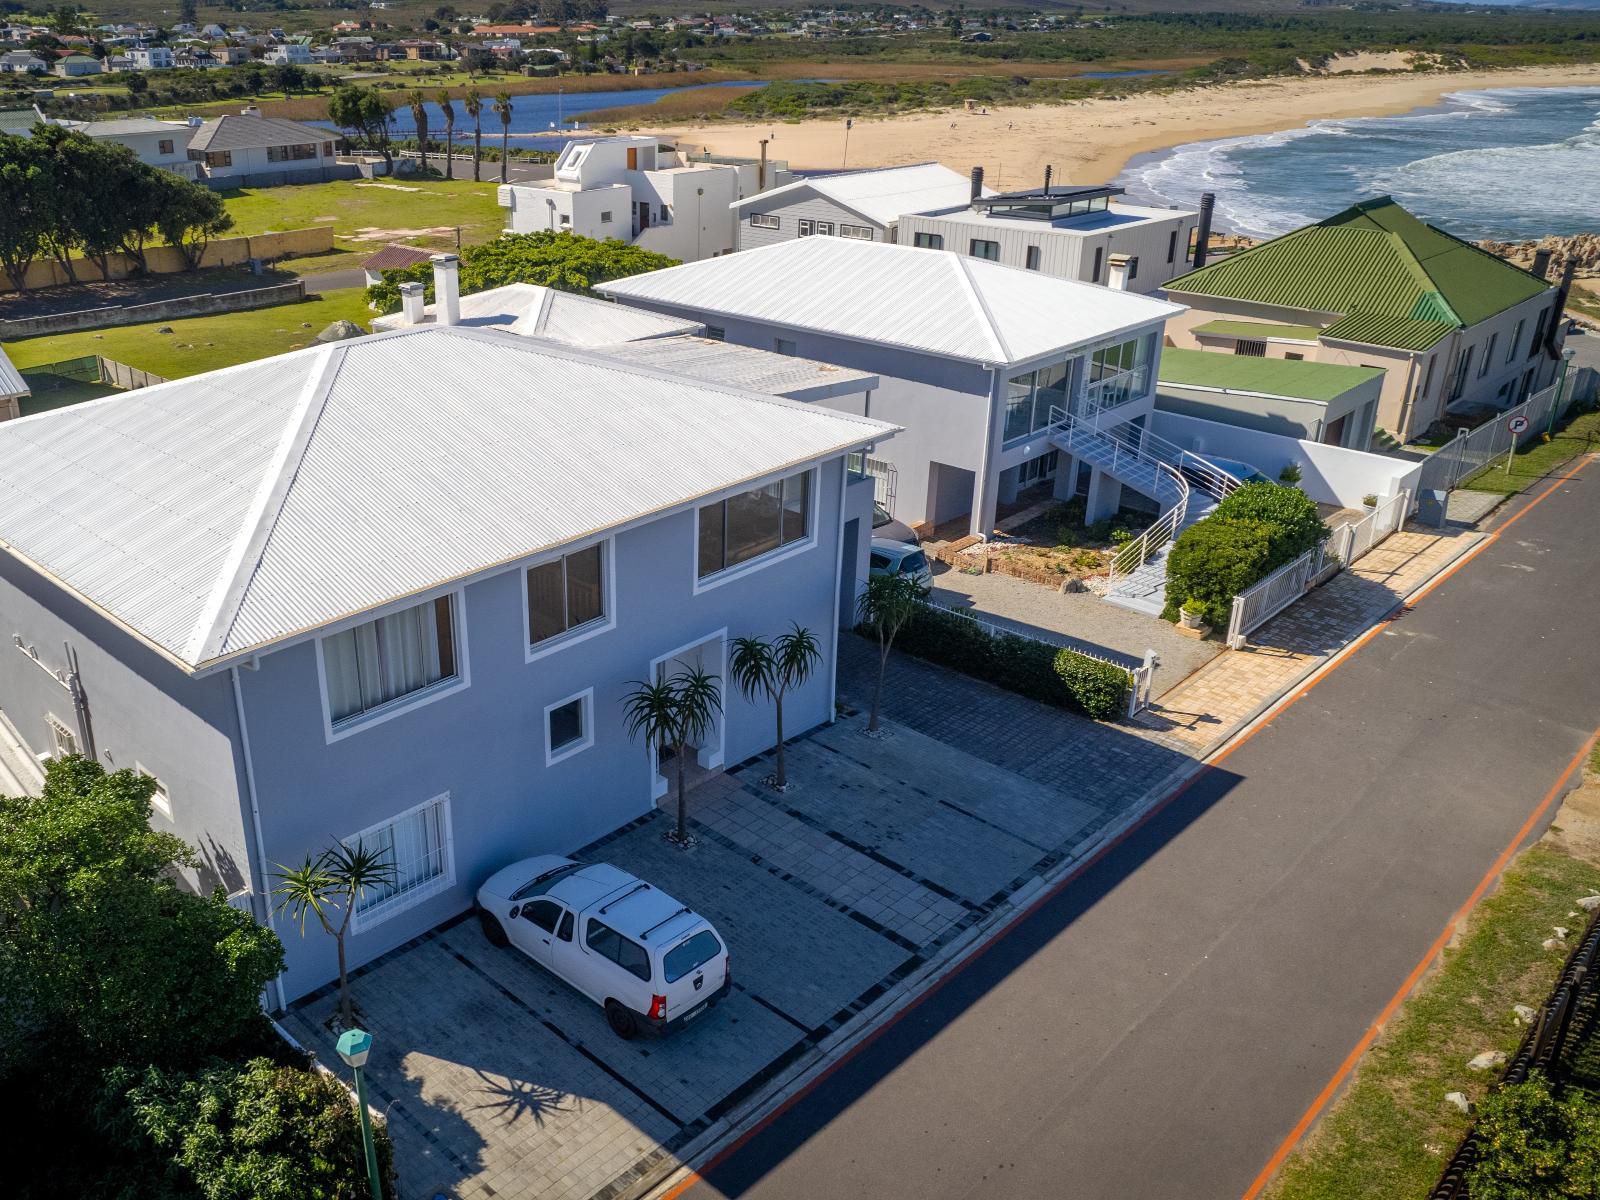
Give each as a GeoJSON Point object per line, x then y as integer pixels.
{"type": "Point", "coordinates": [864, 205]}
{"type": "Point", "coordinates": [151, 58]}
{"type": "Point", "coordinates": [157, 143]}
{"type": "Point", "coordinates": [636, 190]}
{"type": "Point", "coordinates": [75, 66]}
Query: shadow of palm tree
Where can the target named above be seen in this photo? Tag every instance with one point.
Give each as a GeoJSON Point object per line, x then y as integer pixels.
{"type": "Point", "coordinates": [513, 1099]}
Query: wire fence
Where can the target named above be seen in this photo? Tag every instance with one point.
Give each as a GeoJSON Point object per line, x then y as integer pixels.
{"type": "Point", "coordinates": [1472, 451]}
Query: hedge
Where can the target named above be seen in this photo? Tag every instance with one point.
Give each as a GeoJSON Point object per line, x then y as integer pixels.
{"type": "Point", "coordinates": [1051, 674]}
{"type": "Point", "coordinates": [1213, 561]}
{"type": "Point", "coordinates": [1293, 523]}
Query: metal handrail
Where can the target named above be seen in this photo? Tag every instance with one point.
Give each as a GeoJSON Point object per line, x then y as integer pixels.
{"type": "Point", "coordinates": [1214, 479]}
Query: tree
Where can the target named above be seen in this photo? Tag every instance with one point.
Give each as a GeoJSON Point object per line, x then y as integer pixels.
{"type": "Point", "coordinates": [329, 888]}
{"type": "Point", "coordinates": [474, 107]}
{"type": "Point", "coordinates": [1534, 1144]}
{"type": "Point", "coordinates": [449, 133]}
{"type": "Point", "coordinates": [136, 83]}
{"type": "Point", "coordinates": [189, 216]}
{"type": "Point", "coordinates": [25, 204]}
{"type": "Point", "coordinates": [770, 669]}
{"type": "Point", "coordinates": [365, 113]}
{"type": "Point", "coordinates": [288, 78]}
{"type": "Point", "coordinates": [675, 712]}
{"type": "Point", "coordinates": [419, 115]}
{"type": "Point", "coordinates": [101, 953]}
{"type": "Point", "coordinates": [189, 11]}
{"type": "Point", "coordinates": [502, 109]}
{"type": "Point", "coordinates": [886, 604]}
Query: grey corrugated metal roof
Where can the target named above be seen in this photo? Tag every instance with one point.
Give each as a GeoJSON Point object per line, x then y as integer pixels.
{"type": "Point", "coordinates": [933, 301]}
{"type": "Point", "coordinates": [218, 515]}
{"type": "Point", "coordinates": [242, 131]}
{"type": "Point", "coordinates": [530, 310]}
{"type": "Point", "coordinates": [11, 381]}
{"type": "Point", "coordinates": [881, 195]}
{"type": "Point", "coordinates": [745, 367]}
{"type": "Point", "coordinates": [129, 125]}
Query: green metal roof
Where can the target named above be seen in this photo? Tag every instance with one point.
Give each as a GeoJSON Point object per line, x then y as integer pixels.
{"type": "Point", "coordinates": [1402, 333]}
{"type": "Point", "coordinates": [1259, 329]}
{"type": "Point", "coordinates": [1374, 259]}
{"type": "Point", "coordinates": [1299, 380]}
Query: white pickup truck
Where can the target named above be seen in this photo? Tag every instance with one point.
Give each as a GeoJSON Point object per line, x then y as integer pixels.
{"type": "Point", "coordinates": [653, 964]}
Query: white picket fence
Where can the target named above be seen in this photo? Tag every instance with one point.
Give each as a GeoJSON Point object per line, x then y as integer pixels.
{"type": "Point", "coordinates": [1258, 604]}
{"type": "Point", "coordinates": [1469, 452]}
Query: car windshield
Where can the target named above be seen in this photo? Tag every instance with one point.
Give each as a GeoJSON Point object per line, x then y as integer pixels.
{"type": "Point", "coordinates": [689, 954]}
{"type": "Point", "coordinates": [541, 884]}
{"type": "Point", "coordinates": [913, 563]}
{"type": "Point", "coordinates": [880, 515]}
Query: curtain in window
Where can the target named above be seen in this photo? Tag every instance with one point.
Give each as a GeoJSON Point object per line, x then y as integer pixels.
{"type": "Point", "coordinates": [414, 844]}
{"type": "Point", "coordinates": [389, 658]}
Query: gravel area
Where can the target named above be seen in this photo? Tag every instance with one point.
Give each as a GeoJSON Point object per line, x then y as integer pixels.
{"type": "Point", "coordinates": [1074, 619]}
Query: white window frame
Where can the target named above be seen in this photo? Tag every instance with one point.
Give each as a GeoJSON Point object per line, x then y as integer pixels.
{"type": "Point", "coordinates": [608, 597]}
{"type": "Point", "coordinates": [708, 758]}
{"type": "Point", "coordinates": [552, 754]}
{"type": "Point", "coordinates": [824, 228]}
{"type": "Point", "coordinates": [861, 233]}
{"type": "Point", "coordinates": [805, 227]}
{"type": "Point", "coordinates": [771, 557]}
{"type": "Point", "coordinates": [60, 731]}
{"type": "Point", "coordinates": [765, 221]}
{"type": "Point", "coordinates": [360, 922]}
{"type": "Point", "coordinates": [605, 216]}
{"type": "Point", "coordinates": [400, 704]}
{"type": "Point", "coordinates": [160, 799]}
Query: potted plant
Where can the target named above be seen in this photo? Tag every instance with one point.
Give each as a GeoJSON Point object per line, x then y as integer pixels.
{"type": "Point", "coordinates": [1192, 612]}
{"type": "Point", "coordinates": [1290, 475]}
{"type": "Point", "coordinates": [1370, 500]}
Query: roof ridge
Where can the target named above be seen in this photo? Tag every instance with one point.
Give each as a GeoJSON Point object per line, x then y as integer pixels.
{"type": "Point", "coordinates": [964, 269]}
{"type": "Point", "coordinates": [222, 605]}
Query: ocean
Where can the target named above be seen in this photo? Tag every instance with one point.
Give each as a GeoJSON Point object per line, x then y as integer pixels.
{"type": "Point", "coordinates": [1503, 163]}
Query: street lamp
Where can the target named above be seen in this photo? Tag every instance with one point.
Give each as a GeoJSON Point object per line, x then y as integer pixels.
{"type": "Point", "coordinates": [354, 1046]}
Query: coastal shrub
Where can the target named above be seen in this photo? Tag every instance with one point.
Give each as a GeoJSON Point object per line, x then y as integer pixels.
{"type": "Point", "coordinates": [1295, 525]}
{"type": "Point", "coordinates": [1099, 688]}
{"type": "Point", "coordinates": [1213, 561]}
{"type": "Point", "coordinates": [1533, 1143]}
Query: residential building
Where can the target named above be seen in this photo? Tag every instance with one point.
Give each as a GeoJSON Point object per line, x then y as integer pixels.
{"type": "Point", "coordinates": [14, 389]}
{"type": "Point", "coordinates": [1452, 326]}
{"type": "Point", "coordinates": [636, 190]}
{"type": "Point", "coordinates": [151, 58]}
{"type": "Point", "coordinates": [984, 366]}
{"type": "Point", "coordinates": [1329, 403]}
{"type": "Point", "coordinates": [158, 143]}
{"type": "Point", "coordinates": [862, 205]}
{"type": "Point", "coordinates": [246, 149]}
{"type": "Point", "coordinates": [22, 62]}
{"type": "Point", "coordinates": [317, 624]}
{"type": "Point", "coordinates": [392, 257]}
{"type": "Point", "coordinates": [1081, 233]}
{"type": "Point", "coordinates": [288, 54]}
{"type": "Point", "coordinates": [75, 66]}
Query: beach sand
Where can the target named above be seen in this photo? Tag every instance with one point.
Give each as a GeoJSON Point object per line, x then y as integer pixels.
{"type": "Point", "coordinates": [1090, 141]}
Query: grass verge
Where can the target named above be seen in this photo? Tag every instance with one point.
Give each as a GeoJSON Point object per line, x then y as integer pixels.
{"type": "Point", "coordinates": [1538, 459]}
{"type": "Point", "coordinates": [200, 343]}
{"type": "Point", "coordinates": [366, 214]}
{"type": "Point", "coordinates": [1391, 1131]}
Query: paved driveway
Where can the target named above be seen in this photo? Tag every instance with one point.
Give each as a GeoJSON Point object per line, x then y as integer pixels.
{"type": "Point", "coordinates": [501, 1081]}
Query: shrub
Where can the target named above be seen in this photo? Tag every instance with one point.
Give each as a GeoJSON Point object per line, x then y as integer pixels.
{"type": "Point", "coordinates": [1290, 514]}
{"type": "Point", "coordinates": [1534, 1145]}
{"type": "Point", "coordinates": [1290, 475]}
{"type": "Point", "coordinates": [1099, 688]}
{"type": "Point", "coordinates": [1213, 561]}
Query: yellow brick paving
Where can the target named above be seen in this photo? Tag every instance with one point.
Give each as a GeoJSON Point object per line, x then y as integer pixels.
{"type": "Point", "coordinates": [1224, 693]}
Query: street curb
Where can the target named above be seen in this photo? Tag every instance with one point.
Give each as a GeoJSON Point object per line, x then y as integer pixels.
{"type": "Point", "coordinates": [833, 1051]}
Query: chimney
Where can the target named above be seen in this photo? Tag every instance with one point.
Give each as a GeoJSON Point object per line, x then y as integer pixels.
{"type": "Point", "coordinates": [1047, 179]}
{"type": "Point", "coordinates": [446, 289]}
{"type": "Point", "coordinates": [1202, 233]}
{"type": "Point", "coordinates": [977, 182]}
{"type": "Point", "coordinates": [1541, 263]}
{"type": "Point", "coordinates": [411, 303]}
{"type": "Point", "coordinates": [761, 171]}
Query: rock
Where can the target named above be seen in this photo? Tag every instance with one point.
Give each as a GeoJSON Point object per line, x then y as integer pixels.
{"type": "Point", "coordinates": [1073, 584]}
{"type": "Point", "coordinates": [1487, 1061]}
{"type": "Point", "coordinates": [305, 324]}
{"type": "Point", "coordinates": [1459, 1101]}
{"type": "Point", "coordinates": [165, 329]}
{"type": "Point", "coordinates": [340, 331]}
{"type": "Point", "coordinates": [1523, 1014]}
{"type": "Point", "coordinates": [1553, 944]}
{"type": "Point", "coordinates": [1561, 931]}
{"type": "Point", "coordinates": [1589, 903]}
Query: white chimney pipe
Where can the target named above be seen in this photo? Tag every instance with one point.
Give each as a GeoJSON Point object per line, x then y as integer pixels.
{"type": "Point", "coordinates": [446, 289]}
{"type": "Point", "coordinates": [411, 303]}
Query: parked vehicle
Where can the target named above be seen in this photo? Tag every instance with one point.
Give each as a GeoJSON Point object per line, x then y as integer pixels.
{"type": "Point", "coordinates": [651, 963]}
{"type": "Point", "coordinates": [890, 557]}
{"type": "Point", "coordinates": [885, 526]}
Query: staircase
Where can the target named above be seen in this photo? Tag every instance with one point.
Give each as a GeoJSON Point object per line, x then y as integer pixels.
{"type": "Point", "coordinates": [1187, 487]}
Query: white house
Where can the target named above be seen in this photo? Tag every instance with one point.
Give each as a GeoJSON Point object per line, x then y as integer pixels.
{"type": "Point", "coordinates": [158, 143]}
{"type": "Point", "coordinates": [22, 62]}
{"type": "Point", "coordinates": [864, 205]}
{"type": "Point", "coordinates": [1081, 233]}
{"type": "Point", "coordinates": [636, 190]}
{"type": "Point", "coordinates": [151, 58]}
{"type": "Point", "coordinates": [75, 66]}
{"type": "Point", "coordinates": [248, 150]}
{"type": "Point", "coordinates": [288, 54]}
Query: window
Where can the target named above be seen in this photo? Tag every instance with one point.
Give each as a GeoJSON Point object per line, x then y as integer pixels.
{"type": "Point", "coordinates": [327, 149]}
{"type": "Point", "coordinates": [566, 219]}
{"type": "Point", "coordinates": [862, 233]}
{"type": "Point", "coordinates": [806, 226]}
{"type": "Point", "coordinates": [765, 221]}
{"type": "Point", "coordinates": [159, 800]}
{"type": "Point", "coordinates": [1172, 246]}
{"type": "Point", "coordinates": [928, 241]}
{"type": "Point", "coordinates": [1463, 372]}
{"type": "Point", "coordinates": [1031, 260]}
{"type": "Point", "coordinates": [567, 594]}
{"type": "Point", "coordinates": [629, 955]}
{"type": "Point", "coordinates": [164, 146]}
{"type": "Point", "coordinates": [1030, 397]}
{"type": "Point", "coordinates": [1099, 261]}
{"type": "Point", "coordinates": [716, 333]}
{"type": "Point", "coordinates": [754, 523]}
{"type": "Point", "coordinates": [783, 346]}
{"type": "Point", "coordinates": [690, 955]}
{"type": "Point", "coordinates": [605, 217]}
{"type": "Point", "coordinates": [1488, 355]}
{"type": "Point", "coordinates": [544, 914]}
{"type": "Point", "coordinates": [666, 215]}
{"type": "Point", "coordinates": [1119, 372]}
{"type": "Point", "coordinates": [1538, 333]}
{"type": "Point", "coordinates": [373, 665]}
{"type": "Point", "coordinates": [1292, 357]}
{"type": "Point", "coordinates": [1250, 347]}
{"type": "Point", "coordinates": [63, 741]}
{"type": "Point", "coordinates": [219, 158]}
{"type": "Point", "coordinates": [1516, 340]}
{"type": "Point", "coordinates": [290, 153]}
{"type": "Point", "coordinates": [824, 228]}
{"type": "Point", "coordinates": [983, 248]}
{"type": "Point", "coordinates": [417, 845]}
{"type": "Point", "coordinates": [568, 727]}
{"type": "Point", "coordinates": [1133, 268]}
{"type": "Point", "coordinates": [564, 934]}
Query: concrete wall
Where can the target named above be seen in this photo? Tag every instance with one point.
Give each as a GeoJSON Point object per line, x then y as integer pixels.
{"type": "Point", "coordinates": [1283, 415]}
{"type": "Point", "coordinates": [136, 314]}
{"type": "Point", "coordinates": [484, 745]}
{"type": "Point", "coordinates": [790, 208]}
{"type": "Point", "coordinates": [166, 260]}
{"type": "Point", "coordinates": [1329, 474]}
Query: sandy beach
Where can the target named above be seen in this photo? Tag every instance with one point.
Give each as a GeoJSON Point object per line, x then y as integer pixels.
{"type": "Point", "coordinates": [1091, 141]}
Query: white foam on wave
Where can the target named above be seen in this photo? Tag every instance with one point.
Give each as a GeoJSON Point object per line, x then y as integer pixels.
{"type": "Point", "coordinates": [1180, 175]}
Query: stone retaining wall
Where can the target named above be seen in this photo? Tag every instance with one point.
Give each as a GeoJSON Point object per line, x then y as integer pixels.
{"type": "Point", "coordinates": [107, 316]}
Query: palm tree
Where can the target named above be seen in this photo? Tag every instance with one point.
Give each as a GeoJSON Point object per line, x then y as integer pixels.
{"type": "Point", "coordinates": [449, 133]}
{"type": "Point", "coordinates": [329, 887]}
{"type": "Point", "coordinates": [419, 114]}
{"type": "Point", "coordinates": [888, 602]}
{"type": "Point", "coordinates": [675, 712]}
{"type": "Point", "coordinates": [770, 669]}
{"type": "Point", "coordinates": [474, 107]}
{"type": "Point", "coordinates": [502, 108]}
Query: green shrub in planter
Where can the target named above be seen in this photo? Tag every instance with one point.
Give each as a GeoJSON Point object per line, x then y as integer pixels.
{"type": "Point", "coordinates": [1534, 1144]}
{"type": "Point", "coordinates": [1213, 561]}
{"type": "Point", "coordinates": [1099, 688]}
{"type": "Point", "coordinates": [1292, 515]}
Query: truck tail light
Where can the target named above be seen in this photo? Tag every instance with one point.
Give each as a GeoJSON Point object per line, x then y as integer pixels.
{"type": "Point", "coordinates": [658, 1007]}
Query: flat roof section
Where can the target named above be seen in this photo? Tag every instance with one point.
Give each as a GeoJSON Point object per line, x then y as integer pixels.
{"type": "Point", "coordinates": [1296, 379]}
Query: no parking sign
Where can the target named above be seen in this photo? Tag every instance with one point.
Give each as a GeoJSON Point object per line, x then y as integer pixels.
{"type": "Point", "coordinates": [1518, 424]}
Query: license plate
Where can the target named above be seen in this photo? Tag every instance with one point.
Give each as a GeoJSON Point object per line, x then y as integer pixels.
{"type": "Point", "coordinates": [693, 1013]}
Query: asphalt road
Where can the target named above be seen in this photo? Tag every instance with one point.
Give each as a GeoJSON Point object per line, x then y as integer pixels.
{"type": "Point", "coordinates": [1160, 1025]}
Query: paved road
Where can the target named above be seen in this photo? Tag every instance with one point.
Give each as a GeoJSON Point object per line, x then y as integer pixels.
{"type": "Point", "coordinates": [1159, 1026]}
{"type": "Point", "coordinates": [334, 281]}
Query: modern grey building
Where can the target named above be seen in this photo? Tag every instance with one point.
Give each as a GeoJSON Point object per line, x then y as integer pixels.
{"type": "Point", "coordinates": [396, 588]}
{"type": "Point", "coordinates": [863, 205]}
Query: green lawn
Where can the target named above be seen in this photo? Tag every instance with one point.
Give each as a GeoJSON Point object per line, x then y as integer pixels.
{"type": "Point", "coordinates": [1391, 1132]}
{"type": "Point", "coordinates": [1539, 459]}
{"type": "Point", "coordinates": [200, 343]}
{"type": "Point", "coordinates": [366, 214]}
